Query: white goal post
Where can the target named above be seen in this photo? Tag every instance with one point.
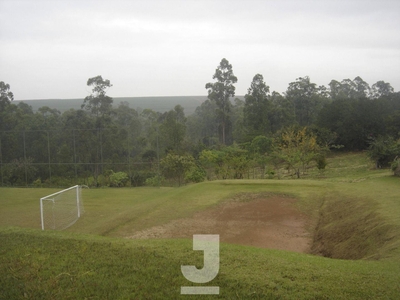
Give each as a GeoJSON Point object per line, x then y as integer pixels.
{"type": "Point", "coordinates": [61, 210]}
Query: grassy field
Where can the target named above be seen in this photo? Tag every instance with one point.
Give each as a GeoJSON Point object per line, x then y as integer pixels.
{"type": "Point", "coordinates": [354, 215]}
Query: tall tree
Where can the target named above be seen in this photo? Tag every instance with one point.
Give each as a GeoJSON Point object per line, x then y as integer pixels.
{"type": "Point", "coordinates": [361, 87]}
{"type": "Point", "coordinates": [257, 107]}
{"type": "Point", "coordinates": [297, 147]}
{"type": "Point", "coordinates": [173, 128]}
{"type": "Point", "coordinates": [282, 113]}
{"type": "Point", "coordinates": [220, 92]}
{"type": "Point", "coordinates": [6, 96]}
{"type": "Point", "coordinates": [349, 89]}
{"type": "Point", "coordinates": [239, 132]}
{"type": "Point", "coordinates": [98, 103]}
{"type": "Point", "coordinates": [307, 99]}
{"type": "Point", "coordinates": [175, 166]}
{"type": "Point", "coordinates": [381, 89]}
{"type": "Point", "coordinates": [202, 125]}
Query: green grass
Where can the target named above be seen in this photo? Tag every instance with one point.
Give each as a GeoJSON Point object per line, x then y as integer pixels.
{"type": "Point", "coordinates": [64, 265]}
{"type": "Point", "coordinates": [355, 210]}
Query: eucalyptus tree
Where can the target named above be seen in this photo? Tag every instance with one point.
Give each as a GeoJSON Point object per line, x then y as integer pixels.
{"type": "Point", "coordinates": [173, 128]}
{"type": "Point", "coordinates": [257, 107]}
{"type": "Point", "coordinates": [282, 112]}
{"type": "Point", "coordinates": [380, 89]}
{"type": "Point", "coordinates": [98, 103]}
{"type": "Point", "coordinates": [349, 89]}
{"type": "Point", "coordinates": [307, 99]}
{"type": "Point", "coordinates": [220, 92]}
{"type": "Point", "coordinates": [202, 125]}
{"type": "Point", "coordinates": [6, 96]}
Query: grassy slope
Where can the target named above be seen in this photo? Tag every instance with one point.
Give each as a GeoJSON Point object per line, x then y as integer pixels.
{"type": "Point", "coordinates": [68, 264]}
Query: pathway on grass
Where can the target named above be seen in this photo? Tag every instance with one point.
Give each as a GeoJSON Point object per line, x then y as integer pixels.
{"type": "Point", "coordinates": [267, 221]}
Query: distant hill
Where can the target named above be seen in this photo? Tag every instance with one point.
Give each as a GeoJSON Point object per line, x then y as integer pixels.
{"type": "Point", "coordinates": [160, 104]}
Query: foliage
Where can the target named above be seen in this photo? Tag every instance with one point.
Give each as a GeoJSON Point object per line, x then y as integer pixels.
{"type": "Point", "coordinates": [321, 162]}
{"type": "Point", "coordinates": [20, 171]}
{"type": "Point", "coordinates": [202, 125]}
{"type": "Point", "coordinates": [261, 150]}
{"type": "Point", "coordinates": [103, 263]}
{"type": "Point", "coordinates": [79, 145]}
{"type": "Point", "coordinates": [195, 174]}
{"type": "Point", "coordinates": [118, 179]}
{"type": "Point", "coordinates": [257, 107]}
{"type": "Point", "coordinates": [383, 150]}
{"type": "Point", "coordinates": [155, 181]}
{"type": "Point", "coordinates": [297, 148]}
{"type": "Point", "coordinates": [220, 92]}
{"type": "Point", "coordinates": [307, 99]}
{"type": "Point", "coordinates": [395, 166]}
{"type": "Point", "coordinates": [139, 177]}
{"type": "Point", "coordinates": [349, 89]}
{"type": "Point", "coordinates": [381, 89]}
{"type": "Point", "coordinates": [175, 166]}
{"type": "Point", "coordinates": [228, 162]}
{"type": "Point", "coordinates": [173, 128]}
{"type": "Point", "coordinates": [6, 96]}
{"type": "Point", "coordinates": [98, 103]}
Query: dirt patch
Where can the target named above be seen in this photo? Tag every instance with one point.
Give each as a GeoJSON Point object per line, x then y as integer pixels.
{"type": "Point", "coordinates": [267, 221]}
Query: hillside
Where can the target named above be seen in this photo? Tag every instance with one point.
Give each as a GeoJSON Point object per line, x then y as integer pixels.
{"type": "Point", "coordinates": [353, 215]}
{"type": "Point", "coordinates": [160, 104]}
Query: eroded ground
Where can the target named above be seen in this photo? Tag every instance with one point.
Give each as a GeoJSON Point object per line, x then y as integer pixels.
{"type": "Point", "coordinates": [268, 221]}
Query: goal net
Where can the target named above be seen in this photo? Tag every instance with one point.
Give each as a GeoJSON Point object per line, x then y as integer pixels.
{"type": "Point", "coordinates": [60, 210]}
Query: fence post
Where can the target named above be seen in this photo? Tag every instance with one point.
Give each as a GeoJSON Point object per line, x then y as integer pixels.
{"type": "Point", "coordinates": [48, 152]}
{"type": "Point", "coordinates": [76, 171]}
{"type": "Point", "coordinates": [1, 160]}
{"type": "Point", "coordinates": [25, 165]}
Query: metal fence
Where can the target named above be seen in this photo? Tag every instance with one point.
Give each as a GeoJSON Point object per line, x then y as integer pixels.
{"type": "Point", "coordinates": [30, 155]}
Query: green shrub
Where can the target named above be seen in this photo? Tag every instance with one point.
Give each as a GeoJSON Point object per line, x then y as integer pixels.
{"type": "Point", "coordinates": [138, 178]}
{"type": "Point", "coordinates": [271, 174]}
{"type": "Point", "coordinates": [383, 150]}
{"type": "Point", "coordinates": [321, 162]}
{"type": "Point", "coordinates": [155, 181]}
{"type": "Point", "coordinates": [118, 179]}
{"type": "Point", "coordinates": [196, 174]}
{"type": "Point", "coordinates": [396, 167]}
{"type": "Point", "coordinates": [37, 183]}
{"type": "Point", "coordinates": [57, 181]}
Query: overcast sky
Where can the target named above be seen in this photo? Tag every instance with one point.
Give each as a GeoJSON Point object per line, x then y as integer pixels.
{"type": "Point", "coordinates": [49, 48]}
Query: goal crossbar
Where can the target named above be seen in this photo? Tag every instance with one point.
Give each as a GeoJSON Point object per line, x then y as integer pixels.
{"type": "Point", "coordinates": [64, 212]}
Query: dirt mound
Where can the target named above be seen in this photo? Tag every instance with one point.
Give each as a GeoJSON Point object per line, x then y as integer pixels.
{"type": "Point", "coordinates": [268, 221]}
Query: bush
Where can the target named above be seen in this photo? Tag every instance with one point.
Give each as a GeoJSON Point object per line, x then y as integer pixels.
{"type": "Point", "coordinates": [196, 174]}
{"type": "Point", "coordinates": [321, 162]}
{"type": "Point", "coordinates": [118, 179]}
{"type": "Point", "coordinates": [37, 183]}
{"type": "Point", "coordinates": [138, 178]}
{"type": "Point", "coordinates": [59, 182]}
{"type": "Point", "coordinates": [396, 167]}
{"type": "Point", "coordinates": [383, 150]}
{"type": "Point", "coordinates": [155, 181]}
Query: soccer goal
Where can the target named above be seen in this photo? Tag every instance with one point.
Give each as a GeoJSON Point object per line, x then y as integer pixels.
{"type": "Point", "coordinates": [61, 210]}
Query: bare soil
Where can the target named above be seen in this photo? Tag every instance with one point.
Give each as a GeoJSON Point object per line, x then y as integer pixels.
{"type": "Point", "coordinates": [261, 220]}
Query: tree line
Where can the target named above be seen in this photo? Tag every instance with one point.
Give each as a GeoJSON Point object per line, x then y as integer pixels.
{"type": "Point", "coordinates": [225, 137]}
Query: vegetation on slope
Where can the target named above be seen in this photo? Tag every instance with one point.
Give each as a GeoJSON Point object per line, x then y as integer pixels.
{"type": "Point", "coordinates": [48, 265]}
{"type": "Point", "coordinates": [355, 210]}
